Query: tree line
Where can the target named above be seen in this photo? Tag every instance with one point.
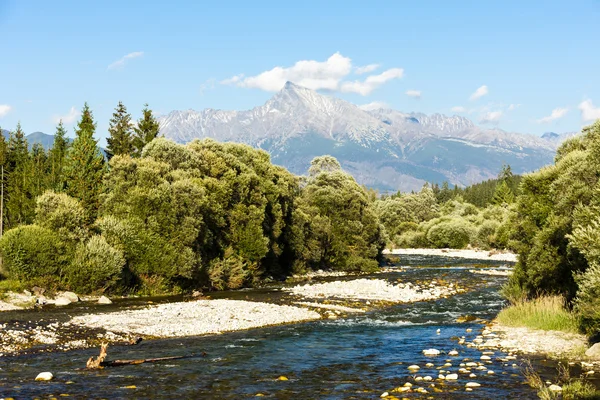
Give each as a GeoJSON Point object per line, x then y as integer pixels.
{"type": "Point", "coordinates": [154, 216]}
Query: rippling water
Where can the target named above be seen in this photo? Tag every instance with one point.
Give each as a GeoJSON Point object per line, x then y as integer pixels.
{"type": "Point", "coordinates": [359, 357]}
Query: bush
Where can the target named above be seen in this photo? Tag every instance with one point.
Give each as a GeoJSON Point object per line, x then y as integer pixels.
{"type": "Point", "coordinates": [486, 234]}
{"type": "Point", "coordinates": [229, 272]}
{"type": "Point", "coordinates": [587, 303]}
{"type": "Point", "coordinates": [455, 234]}
{"type": "Point", "coordinates": [61, 214]}
{"type": "Point", "coordinates": [31, 252]}
{"type": "Point", "coordinates": [96, 266]}
{"type": "Point", "coordinates": [547, 313]}
{"type": "Point", "coordinates": [411, 239]}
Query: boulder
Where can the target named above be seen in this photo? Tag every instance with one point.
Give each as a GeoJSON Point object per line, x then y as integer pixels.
{"type": "Point", "coordinates": [555, 388]}
{"type": "Point", "coordinates": [71, 296]}
{"type": "Point", "coordinates": [431, 352]}
{"type": "Point", "coordinates": [451, 377]}
{"type": "Point", "coordinates": [594, 351]}
{"type": "Point", "coordinates": [472, 384]}
{"type": "Point", "coordinates": [38, 291]}
{"type": "Point", "coordinates": [44, 376]}
{"type": "Point", "coordinates": [62, 301]}
{"type": "Point", "coordinates": [104, 300]}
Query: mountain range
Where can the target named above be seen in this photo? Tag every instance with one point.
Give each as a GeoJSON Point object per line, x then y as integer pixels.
{"type": "Point", "coordinates": [384, 148]}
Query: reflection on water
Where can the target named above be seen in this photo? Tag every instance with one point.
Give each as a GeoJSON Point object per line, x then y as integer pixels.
{"type": "Point", "coordinates": [359, 357]}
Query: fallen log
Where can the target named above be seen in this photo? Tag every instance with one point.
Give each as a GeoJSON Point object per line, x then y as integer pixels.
{"type": "Point", "coordinates": [99, 363]}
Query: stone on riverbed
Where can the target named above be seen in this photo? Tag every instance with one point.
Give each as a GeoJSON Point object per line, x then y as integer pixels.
{"type": "Point", "coordinates": [555, 388]}
{"type": "Point", "coordinates": [104, 300]}
{"type": "Point", "coordinates": [71, 296]}
{"type": "Point", "coordinates": [594, 351]}
{"type": "Point", "coordinates": [62, 301]}
{"type": "Point", "coordinates": [431, 352]}
{"type": "Point", "coordinates": [472, 384]}
{"type": "Point", "coordinates": [44, 376]}
{"type": "Point", "coordinates": [451, 377]}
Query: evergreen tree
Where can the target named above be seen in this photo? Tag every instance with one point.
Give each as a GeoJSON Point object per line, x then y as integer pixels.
{"type": "Point", "coordinates": [503, 194]}
{"type": "Point", "coordinates": [120, 141]}
{"type": "Point", "coordinates": [39, 170]}
{"type": "Point", "coordinates": [20, 202]}
{"type": "Point", "coordinates": [57, 158]}
{"type": "Point", "coordinates": [84, 166]}
{"type": "Point", "coordinates": [145, 131]}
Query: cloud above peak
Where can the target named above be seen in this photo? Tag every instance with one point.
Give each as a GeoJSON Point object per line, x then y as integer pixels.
{"type": "Point", "coordinates": [557, 113]}
{"type": "Point", "coordinates": [375, 105]}
{"type": "Point", "coordinates": [480, 92]}
{"type": "Point", "coordinates": [491, 117]}
{"type": "Point", "coordinates": [317, 75]}
{"type": "Point", "coordinates": [413, 93]}
{"type": "Point", "coordinates": [68, 118]}
{"type": "Point", "coordinates": [588, 111]}
{"type": "Point", "coordinates": [4, 109]}
{"type": "Point", "coordinates": [120, 63]}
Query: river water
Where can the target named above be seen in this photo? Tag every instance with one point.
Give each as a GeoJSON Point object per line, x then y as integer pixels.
{"type": "Point", "coordinates": [359, 357]}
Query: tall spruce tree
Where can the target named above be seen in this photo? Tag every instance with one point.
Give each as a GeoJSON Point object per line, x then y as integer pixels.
{"type": "Point", "coordinates": [146, 130]}
{"type": "Point", "coordinates": [120, 141]}
{"type": "Point", "coordinates": [84, 167]}
{"type": "Point", "coordinates": [56, 158]}
{"type": "Point", "coordinates": [20, 201]}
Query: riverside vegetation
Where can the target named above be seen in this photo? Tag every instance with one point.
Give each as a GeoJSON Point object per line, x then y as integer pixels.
{"type": "Point", "coordinates": [153, 216]}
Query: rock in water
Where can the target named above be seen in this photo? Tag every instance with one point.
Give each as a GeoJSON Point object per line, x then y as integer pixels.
{"type": "Point", "coordinates": [104, 300]}
{"type": "Point", "coordinates": [594, 351]}
{"type": "Point", "coordinates": [44, 376]}
{"type": "Point", "coordinates": [62, 301]}
{"type": "Point", "coordinates": [472, 384]}
{"type": "Point", "coordinates": [431, 352]}
{"type": "Point", "coordinates": [555, 388]}
{"type": "Point", "coordinates": [451, 377]}
{"type": "Point", "coordinates": [71, 296]}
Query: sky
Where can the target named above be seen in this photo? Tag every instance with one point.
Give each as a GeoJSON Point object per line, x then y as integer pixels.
{"type": "Point", "coordinates": [522, 66]}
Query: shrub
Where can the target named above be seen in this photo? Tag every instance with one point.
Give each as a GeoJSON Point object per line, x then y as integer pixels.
{"type": "Point", "coordinates": [455, 233]}
{"type": "Point", "coordinates": [486, 234]}
{"type": "Point", "coordinates": [546, 313]}
{"type": "Point", "coordinates": [411, 239]}
{"type": "Point", "coordinates": [96, 266]}
{"type": "Point", "coordinates": [61, 214]}
{"type": "Point", "coordinates": [31, 251]}
{"type": "Point", "coordinates": [229, 272]}
{"type": "Point", "coordinates": [587, 304]}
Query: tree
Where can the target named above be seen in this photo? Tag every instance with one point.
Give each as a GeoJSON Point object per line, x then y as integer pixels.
{"type": "Point", "coordinates": [56, 158]}
{"type": "Point", "coordinates": [120, 141]}
{"type": "Point", "coordinates": [503, 194]}
{"type": "Point", "coordinates": [84, 166]}
{"type": "Point", "coordinates": [324, 163]}
{"type": "Point", "coordinates": [20, 200]}
{"type": "Point", "coordinates": [146, 131]}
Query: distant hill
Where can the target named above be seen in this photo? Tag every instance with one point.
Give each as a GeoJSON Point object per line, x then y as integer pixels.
{"type": "Point", "coordinates": [36, 137]}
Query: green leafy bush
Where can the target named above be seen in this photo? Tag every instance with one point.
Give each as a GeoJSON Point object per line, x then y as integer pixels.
{"type": "Point", "coordinates": [96, 266]}
{"type": "Point", "coordinates": [486, 234]}
{"type": "Point", "coordinates": [31, 251]}
{"type": "Point", "coordinates": [587, 302]}
{"type": "Point", "coordinates": [454, 233]}
{"type": "Point", "coordinates": [61, 214]}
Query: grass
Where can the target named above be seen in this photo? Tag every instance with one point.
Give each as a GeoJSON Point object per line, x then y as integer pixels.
{"type": "Point", "coordinates": [572, 389]}
{"type": "Point", "coordinates": [11, 285]}
{"type": "Point", "coordinates": [580, 390]}
{"type": "Point", "coordinates": [546, 313]}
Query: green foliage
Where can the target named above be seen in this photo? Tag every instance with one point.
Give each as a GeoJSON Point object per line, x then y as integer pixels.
{"type": "Point", "coordinates": [61, 214]}
{"type": "Point", "coordinates": [56, 159]}
{"type": "Point", "coordinates": [145, 131]}
{"type": "Point", "coordinates": [394, 212]}
{"type": "Point", "coordinates": [120, 141]}
{"type": "Point", "coordinates": [20, 196]}
{"type": "Point", "coordinates": [96, 266]}
{"type": "Point", "coordinates": [587, 304]}
{"type": "Point", "coordinates": [30, 252]}
{"type": "Point", "coordinates": [323, 164]}
{"type": "Point", "coordinates": [486, 234]}
{"type": "Point", "coordinates": [84, 166]}
{"type": "Point", "coordinates": [453, 233]}
{"type": "Point", "coordinates": [545, 313]}
{"type": "Point", "coordinates": [580, 390]}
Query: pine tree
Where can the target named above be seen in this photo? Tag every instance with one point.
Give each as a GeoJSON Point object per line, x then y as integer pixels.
{"type": "Point", "coordinates": [503, 194]}
{"type": "Point", "coordinates": [20, 202]}
{"type": "Point", "coordinates": [56, 158]}
{"type": "Point", "coordinates": [120, 141]}
{"type": "Point", "coordinates": [145, 131]}
{"type": "Point", "coordinates": [84, 165]}
{"type": "Point", "coordinates": [39, 170]}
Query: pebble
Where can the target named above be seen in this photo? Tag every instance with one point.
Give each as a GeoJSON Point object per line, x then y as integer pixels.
{"type": "Point", "coordinates": [491, 372]}
{"type": "Point", "coordinates": [384, 394]}
{"type": "Point", "coordinates": [555, 388]}
{"type": "Point", "coordinates": [44, 376]}
{"type": "Point", "coordinates": [414, 367]}
{"type": "Point", "coordinates": [104, 300]}
{"type": "Point", "coordinates": [472, 376]}
{"type": "Point", "coordinates": [427, 378]}
{"type": "Point", "coordinates": [442, 377]}
{"type": "Point", "coordinates": [453, 353]}
{"type": "Point", "coordinates": [429, 365]}
{"type": "Point", "coordinates": [472, 384]}
{"type": "Point", "coordinates": [485, 358]}
{"type": "Point", "coordinates": [451, 377]}
{"type": "Point", "coordinates": [431, 352]}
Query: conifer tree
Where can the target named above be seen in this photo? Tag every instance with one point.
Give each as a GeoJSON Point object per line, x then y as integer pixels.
{"type": "Point", "coordinates": [503, 194]}
{"type": "Point", "coordinates": [20, 204]}
{"type": "Point", "coordinates": [56, 158]}
{"type": "Point", "coordinates": [120, 141]}
{"type": "Point", "coordinates": [145, 131]}
{"type": "Point", "coordinates": [84, 166]}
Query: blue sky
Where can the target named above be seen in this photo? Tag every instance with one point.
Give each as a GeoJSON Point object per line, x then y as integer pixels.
{"type": "Point", "coordinates": [524, 66]}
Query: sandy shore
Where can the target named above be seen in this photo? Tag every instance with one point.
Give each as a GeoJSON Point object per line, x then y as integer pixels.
{"type": "Point", "coordinates": [374, 289]}
{"type": "Point", "coordinates": [464, 253]}
{"type": "Point", "coordinates": [197, 318]}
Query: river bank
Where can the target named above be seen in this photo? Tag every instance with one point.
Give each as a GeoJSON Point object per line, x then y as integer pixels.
{"type": "Point", "coordinates": [469, 254]}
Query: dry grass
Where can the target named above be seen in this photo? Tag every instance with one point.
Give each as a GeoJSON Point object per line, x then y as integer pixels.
{"type": "Point", "coordinates": [546, 313]}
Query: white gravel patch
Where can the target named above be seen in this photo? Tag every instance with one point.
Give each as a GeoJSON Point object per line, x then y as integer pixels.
{"type": "Point", "coordinates": [4, 306]}
{"type": "Point", "coordinates": [464, 253]}
{"type": "Point", "coordinates": [196, 318]}
{"type": "Point", "coordinates": [373, 289]}
{"type": "Point", "coordinates": [494, 272]}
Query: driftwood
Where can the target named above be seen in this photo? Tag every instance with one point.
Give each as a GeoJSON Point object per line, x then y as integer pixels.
{"type": "Point", "coordinates": [99, 363]}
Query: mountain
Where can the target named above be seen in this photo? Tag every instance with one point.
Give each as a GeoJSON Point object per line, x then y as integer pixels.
{"type": "Point", "coordinates": [36, 137]}
{"type": "Point", "coordinates": [385, 149]}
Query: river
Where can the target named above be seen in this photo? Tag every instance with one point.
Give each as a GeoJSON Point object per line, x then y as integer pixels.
{"type": "Point", "coordinates": [358, 357]}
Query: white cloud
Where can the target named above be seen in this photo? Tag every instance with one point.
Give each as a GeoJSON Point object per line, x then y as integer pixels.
{"type": "Point", "coordinates": [556, 114]}
{"type": "Point", "coordinates": [588, 111]}
{"type": "Point", "coordinates": [491, 117]}
{"type": "Point", "coordinates": [513, 107]}
{"type": "Point", "coordinates": [372, 82]}
{"type": "Point", "coordinates": [4, 109]}
{"type": "Point", "coordinates": [317, 75]}
{"type": "Point", "coordinates": [69, 118]}
{"type": "Point", "coordinates": [374, 106]}
{"type": "Point", "coordinates": [366, 69]}
{"type": "Point", "coordinates": [413, 93]}
{"type": "Point", "coordinates": [480, 92]}
{"type": "Point", "coordinates": [459, 109]}
{"type": "Point", "coordinates": [120, 63]}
